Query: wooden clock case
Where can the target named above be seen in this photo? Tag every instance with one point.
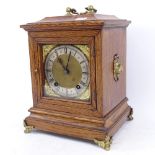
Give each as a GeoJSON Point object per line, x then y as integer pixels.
{"type": "Point", "coordinates": [107, 109]}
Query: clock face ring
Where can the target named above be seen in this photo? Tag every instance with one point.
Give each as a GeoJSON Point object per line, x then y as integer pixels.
{"type": "Point", "coordinates": [67, 71]}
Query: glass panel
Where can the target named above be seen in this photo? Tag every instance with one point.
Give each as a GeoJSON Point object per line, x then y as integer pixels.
{"type": "Point", "coordinates": [67, 71]}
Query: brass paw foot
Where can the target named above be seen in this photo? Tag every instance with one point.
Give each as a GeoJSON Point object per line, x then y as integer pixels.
{"type": "Point", "coordinates": [130, 117]}
{"type": "Point", "coordinates": [28, 129]}
{"type": "Point", "coordinates": [105, 144]}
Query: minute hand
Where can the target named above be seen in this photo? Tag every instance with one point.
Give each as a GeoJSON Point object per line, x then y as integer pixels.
{"type": "Point", "coordinates": [68, 61]}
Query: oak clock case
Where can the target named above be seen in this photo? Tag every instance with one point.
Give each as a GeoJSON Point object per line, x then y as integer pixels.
{"type": "Point", "coordinates": [78, 72]}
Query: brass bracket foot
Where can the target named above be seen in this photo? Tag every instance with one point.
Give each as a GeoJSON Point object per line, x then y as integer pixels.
{"type": "Point", "coordinates": [105, 144]}
{"type": "Point", "coordinates": [130, 117]}
{"type": "Point", "coordinates": [28, 129]}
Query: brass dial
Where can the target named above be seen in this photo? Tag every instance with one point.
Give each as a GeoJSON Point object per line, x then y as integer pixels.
{"type": "Point", "coordinates": [67, 71]}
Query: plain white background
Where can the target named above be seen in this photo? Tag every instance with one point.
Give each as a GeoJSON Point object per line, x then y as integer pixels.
{"type": "Point", "coordinates": [136, 137]}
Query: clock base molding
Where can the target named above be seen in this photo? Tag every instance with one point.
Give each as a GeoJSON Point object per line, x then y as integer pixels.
{"type": "Point", "coordinates": [90, 128]}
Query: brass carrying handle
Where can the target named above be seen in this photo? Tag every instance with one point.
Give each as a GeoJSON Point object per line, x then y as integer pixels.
{"type": "Point", "coordinates": [89, 10]}
{"type": "Point", "coordinates": [117, 67]}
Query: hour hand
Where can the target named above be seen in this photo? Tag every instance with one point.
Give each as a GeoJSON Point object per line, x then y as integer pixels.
{"type": "Point", "coordinates": [63, 66]}
{"type": "Point", "coordinates": [61, 62]}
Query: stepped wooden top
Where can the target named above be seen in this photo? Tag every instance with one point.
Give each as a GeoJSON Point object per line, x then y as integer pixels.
{"type": "Point", "coordinates": [87, 21]}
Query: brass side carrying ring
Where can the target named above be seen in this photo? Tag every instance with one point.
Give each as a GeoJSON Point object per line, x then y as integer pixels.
{"type": "Point", "coordinates": [117, 67]}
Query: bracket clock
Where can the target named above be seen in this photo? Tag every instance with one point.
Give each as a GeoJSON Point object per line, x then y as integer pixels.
{"type": "Point", "coordinates": [78, 71]}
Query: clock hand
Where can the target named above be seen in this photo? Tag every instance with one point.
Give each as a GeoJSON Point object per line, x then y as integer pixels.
{"type": "Point", "coordinates": [60, 61]}
{"type": "Point", "coordinates": [68, 61]}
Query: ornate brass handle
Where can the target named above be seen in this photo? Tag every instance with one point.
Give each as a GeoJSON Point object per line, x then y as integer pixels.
{"type": "Point", "coordinates": [117, 67]}
{"type": "Point", "coordinates": [71, 11]}
{"type": "Point", "coordinates": [89, 10]}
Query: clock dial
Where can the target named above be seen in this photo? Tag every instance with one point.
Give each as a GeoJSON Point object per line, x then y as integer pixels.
{"type": "Point", "coordinates": [67, 71]}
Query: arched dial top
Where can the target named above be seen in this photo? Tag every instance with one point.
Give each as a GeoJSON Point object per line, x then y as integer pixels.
{"type": "Point", "coordinates": [67, 71]}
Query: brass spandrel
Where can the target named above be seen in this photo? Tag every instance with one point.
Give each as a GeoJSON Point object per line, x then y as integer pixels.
{"type": "Point", "coordinates": [46, 50]}
{"type": "Point", "coordinates": [85, 49]}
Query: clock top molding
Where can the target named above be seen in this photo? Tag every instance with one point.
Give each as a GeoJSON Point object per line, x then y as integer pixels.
{"type": "Point", "coordinates": [88, 21]}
